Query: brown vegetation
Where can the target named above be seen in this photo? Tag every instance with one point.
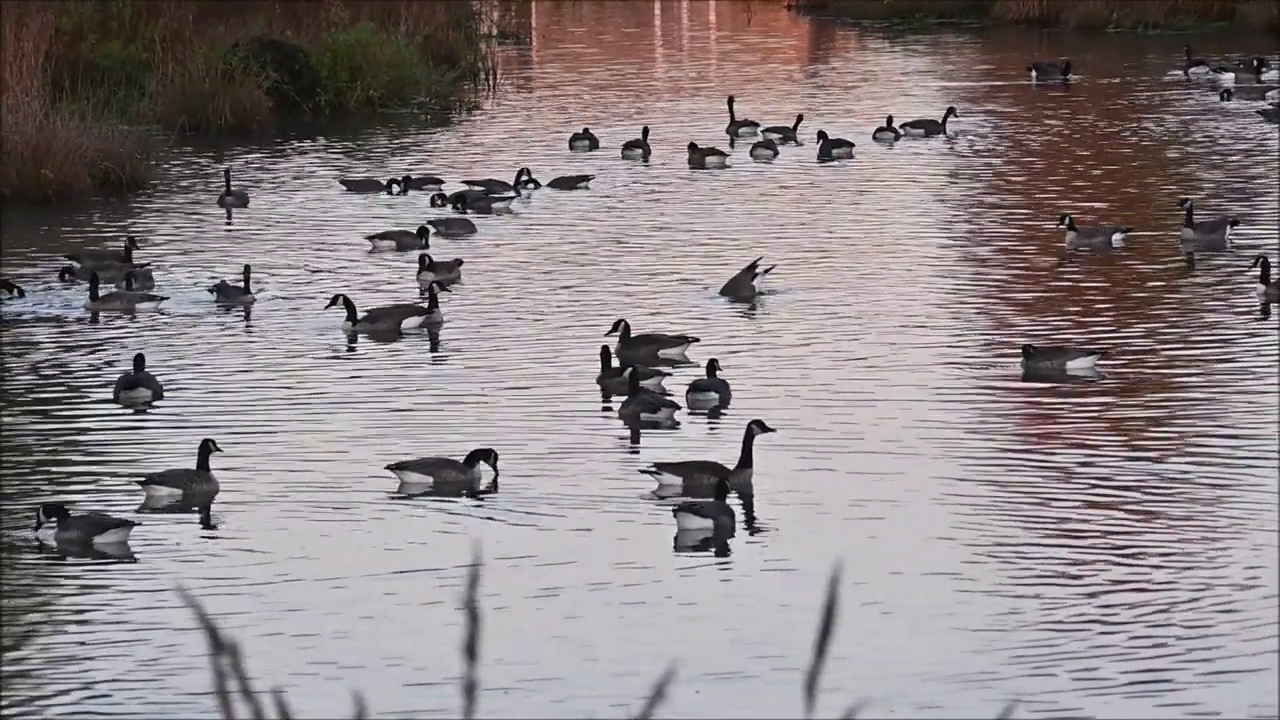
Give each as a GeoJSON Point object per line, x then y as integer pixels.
{"type": "Point", "coordinates": [1073, 14]}
{"type": "Point", "coordinates": [78, 74]}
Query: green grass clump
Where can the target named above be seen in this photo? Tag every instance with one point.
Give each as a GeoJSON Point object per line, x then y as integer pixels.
{"type": "Point", "coordinates": [364, 69]}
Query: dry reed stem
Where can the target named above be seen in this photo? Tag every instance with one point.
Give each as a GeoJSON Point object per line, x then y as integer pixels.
{"type": "Point", "coordinates": [282, 704]}
{"type": "Point", "coordinates": [852, 712]}
{"type": "Point", "coordinates": [471, 645]}
{"type": "Point", "coordinates": [657, 693]}
{"type": "Point", "coordinates": [822, 643]}
{"type": "Point", "coordinates": [1006, 712]}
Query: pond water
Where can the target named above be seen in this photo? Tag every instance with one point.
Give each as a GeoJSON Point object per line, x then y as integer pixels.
{"type": "Point", "coordinates": [1094, 549]}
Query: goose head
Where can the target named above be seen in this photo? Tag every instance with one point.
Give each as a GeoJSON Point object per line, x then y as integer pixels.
{"type": "Point", "coordinates": [759, 427]}
{"type": "Point", "coordinates": [208, 446]}
{"type": "Point", "coordinates": [621, 327]}
{"type": "Point", "coordinates": [51, 513]}
{"type": "Point", "coordinates": [693, 148]}
{"type": "Point", "coordinates": [488, 456]}
{"type": "Point", "coordinates": [1066, 221]}
{"type": "Point", "coordinates": [1226, 95]}
{"type": "Point", "coordinates": [713, 367]}
{"type": "Point", "coordinates": [606, 357]}
{"type": "Point", "coordinates": [67, 273]}
{"type": "Point", "coordinates": [439, 200]}
{"type": "Point", "coordinates": [644, 133]}
{"type": "Point", "coordinates": [139, 363]}
{"type": "Point", "coordinates": [823, 136]}
{"type": "Point", "coordinates": [336, 300]}
{"type": "Point", "coordinates": [951, 109]}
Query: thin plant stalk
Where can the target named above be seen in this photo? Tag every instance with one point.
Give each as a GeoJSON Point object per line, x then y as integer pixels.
{"type": "Point", "coordinates": [471, 645]}
{"type": "Point", "coordinates": [821, 644]}
{"type": "Point", "coordinates": [657, 693]}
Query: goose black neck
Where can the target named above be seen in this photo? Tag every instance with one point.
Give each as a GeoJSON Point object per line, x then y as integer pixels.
{"type": "Point", "coordinates": [796, 125]}
{"type": "Point", "coordinates": [139, 363]}
{"type": "Point", "coordinates": [746, 458]}
{"type": "Point", "coordinates": [433, 299]}
{"type": "Point", "coordinates": [1188, 220]}
{"type": "Point", "coordinates": [624, 332]}
{"type": "Point", "coordinates": [1264, 273]}
{"type": "Point", "coordinates": [246, 275]}
{"type": "Point", "coordinates": [633, 383]}
{"type": "Point", "coordinates": [93, 288]}
{"type": "Point", "coordinates": [711, 369]}
{"type": "Point", "coordinates": [350, 308]}
{"type": "Point", "coordinates": [732, 118]}
{"type": "Point", "coordinates": [606, 359]}
{"type": "Point", "coordinates": [202, 458]}
{"type": "Point", "coordinates": [226, 177]}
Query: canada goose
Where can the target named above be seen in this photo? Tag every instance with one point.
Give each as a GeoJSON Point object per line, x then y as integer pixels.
{"type": "Point", "coordinates": [174, 482]}
{"type": "Point", "coordinates": [637, 149]}
{"type": "Point", "coordinates": [98, 256]}
{"type": "Point", "coordinates": [495, 187]}
{"type": "Point", "coordinates": [706, 157]}
{"type": "Point", "coordinates": [11, 289]}
{"type": "Point", "coordinates": [739, 128]}
{"type": "Point", "coordinates": [670, 346]}
{"type": "Point", "coordinates": [710, 391]}
{"type": "Point", "coordinates": [613, 380]}
{"type": "Point", "coordinates": [119, 300]}
{"type": "Point", "coordinates": [453, 226]}
{"type": "Point", "coordinates": [137, 280]}
{"type": "Point", "coordinates": [716, 514]}
{"type": "Point", "coordinates": [423, 182]}
{"type": "Point", "coordinates": [571, 182]}
{"type": "Point", "coordinates": [1247, 92]}
{"type": "Point", "coordinates": [782, 132]}
{"type": "Point", "coordinates": [1059, 357]}
{"type": "Point", "coordinates": [584, 141]}
{"type": "Point", "coordinates": [1047, 72]}
{"type": "Point", "coordinates": [644, 406]}
{"type": "Point", "coordinates": [398, 317]}
{"type": "Point", "coordinates": [1271, 114]}
{"type": "Point", "coordinates": [1193, 65]}
{"type": "Point", "coordinates": [482, 204]}
{"type": "Point", "coordinates": [830, 148]}
{"type": "Point", "coordinates": [886, 132]}
{"type": "Point", "coordinates": [1215, 232]}
{"type": "Point", "coordinates": [138, 387]}
{"type": "Point", "coordinates": [436, 472]}
{"type": "Point", "coordinates": [224, 293]}
{"type": "Point", "coordinates": [439, 200]}
{"type": "Point", "coordinates": [231, 198]}
{"type": "Point", "coordinates": [54, 523]}
{"type": "Point", "coordinates": [401, 239]}
{"type": "Point", "coordinates": [1268, 289]}
{"type": "Point", "coordinates": [109, 271]}
{"type": "Point", "coordinates": [1097, 237]}
{"type": "Point", "coordinates": [370, 185]}
{"type": "Point", "coordinates": [1262, 67]}
{"type": "Point", "coordinates": [743, 284]}
{"type": "Point", "coordinates": [764, 150]}
{"type": "Point", "coordinates": [927, 127]}
{"type": "Point", "coordinates": [698, 478]}
{"type": "Point", "coordinates": [445, 272]}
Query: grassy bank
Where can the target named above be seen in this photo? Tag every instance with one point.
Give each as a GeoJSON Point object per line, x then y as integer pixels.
{"type": "Point", "coordinates": [1069, 14]}
{"type": "Point", "coordinates": [232, 684]}
{"type": "Point", "coordinates": [83, 80]}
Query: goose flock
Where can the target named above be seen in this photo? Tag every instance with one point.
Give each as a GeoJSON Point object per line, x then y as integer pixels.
{"type": "Point", "coordinates": [702, 486]}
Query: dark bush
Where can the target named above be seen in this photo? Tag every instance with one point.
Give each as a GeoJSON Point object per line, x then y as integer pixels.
{"type": "Point", "coordinates": [289, 77]}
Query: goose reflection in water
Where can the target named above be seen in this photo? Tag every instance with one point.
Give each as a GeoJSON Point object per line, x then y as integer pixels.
{"type": "Point", "coordinates": [63, 551]}
{"type": "Point", "coordinates": [701, 541]}
{"type": "Point", "coordinates": [385, 336]}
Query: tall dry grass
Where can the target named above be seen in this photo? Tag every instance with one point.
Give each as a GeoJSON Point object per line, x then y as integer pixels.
{"type": "Point", "coordinates": [231, 681]}
{"type": "Point", "coordinates": [1072, 14]}
{"type": "Point", "coordinates": [76, 72]}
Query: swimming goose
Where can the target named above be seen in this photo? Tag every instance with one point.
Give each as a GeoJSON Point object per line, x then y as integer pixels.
{"type": "Point", "coordinates": [715, 515]}
{"type": "Point", "coordinates": [445, 272]}
{"type": "Point", "coordinates": [698, 478]}
{"type": "Point", "coordinates": [174, 482]}
{"type": "Point", "coordinates": [528, 182]}
{"type": "Point", "coordinates": [138, 387]}
{"type": "Point", "coordinates": [669, 346]}
{"type": "Point", "coordinates": [495, 187]}
{"type": "Point", "coordinates": [743, 284]}
{"type": "Point", "coordinates": [614, 381]}
{"type": "Point", "coordinates": [99, 256]}
{"type": "Point", "coordinates": [1059, 357]}
{"type": "Point", "coordinates": [398, 317]}
{"type": "Point", "coordinates": [1215, 232]}
{"type": "Point", "coordinates": [401, 239]}
{"type": "Point", "coordinates": [764, 150]}
{"type": "Point", "coordinates": [54, 523]}
{"type": "Point", "coordinates": [441, 472]}
{"type": "Point", "coordinates": [830, 148]}
{"type": "Point", "coordinates": [584, 141]}
{"type": "Point", "coordinates": [886, 132]}
{"type": "Point", "coordinates": [710, 391]}
{"type": "Point", "coordinates": [482, 204]}
{"type": "Point", "coordinates": [1193, 65]}
{"type": "Point", "coordinates": [1097, 237]}
{"type": "Point", "coordinates": [637, 149]}
{"type": "Point", "coordinates": [1270, 114]}
{"type": "Point", "coordinates": [422, 182]}
{"type": "Point", "coordinates": [1268, 289]}
{"type": "Point", "coordinates": [927, 127]}
{"type": "Point", "coordinates": [782, 132]}
{"type": "Point", "coordinates": [1047, 72]}
{"type": "Point", "coordinates": [224, 293]}
{"type": "Point", "coordinates": [453, 226]}
{"type": "Point", "coordinates": [369, 185]}
{"type": "Point", "coordinates": [644, 406]}
{"type": "Point", "coordinates": [1247, 92]}
{"type": "Point", "coordinates": [231, 198]}
{"type": "Point", "coordinates": [706, 157]}
{"type": "Point", "coordinates": [11, 289]}
{"type": "Point", "coordinates": [137, 280]}
{"type": "Point", "coordinates": [739, 128]}
{"type": "Point", "coordinates": [108, 271]}
{"type": "Point", "coordinates": [571, 182]}
{"type": "Point", "coordinates": [120, 299]}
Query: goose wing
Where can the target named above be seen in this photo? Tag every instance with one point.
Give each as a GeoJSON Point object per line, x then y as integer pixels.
{"type": "Point", "coordinates": [690, 469]}
{"type": "Point", "coordinates": [133, 381]}
{"type": "Point", "coordinates": [921, 124]}
{"type": "Point", "coordinates": [720, 386]}
{"type": "Point", "coordinates": [93, 524]}
{"type": "Point", "coordinates": [177, 478]}
{"type": "Point", "coordinates": [661, 341]}
{"type": "Point", "coordinates": [439, 468]}
{"type": "Point", "coordinates": [397, 313]}
{"type": "Point", "coordinates": [362, 184]}
{"type": "Point", "coordinates": [396, 235]}
{"type": "Point", "coordinates": [570, 181]}
{"type": "Point", "coordinates": [452, 226]}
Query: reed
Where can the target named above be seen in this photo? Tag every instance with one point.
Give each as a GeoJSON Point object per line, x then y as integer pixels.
{"type": "Point", "coordinates": [231, 679]}
{"type": "Point", "coordinates": [1071, 14]}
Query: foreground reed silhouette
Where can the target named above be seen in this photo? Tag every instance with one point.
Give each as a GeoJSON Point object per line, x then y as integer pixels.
{"type": "Point", "coordinates": [231, 679]}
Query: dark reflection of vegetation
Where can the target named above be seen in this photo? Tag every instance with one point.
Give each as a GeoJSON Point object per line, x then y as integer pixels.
{"type": "Point", "coordinates": [1097, 15]}
{"type": "Point", "coordinates": [232, 684]}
